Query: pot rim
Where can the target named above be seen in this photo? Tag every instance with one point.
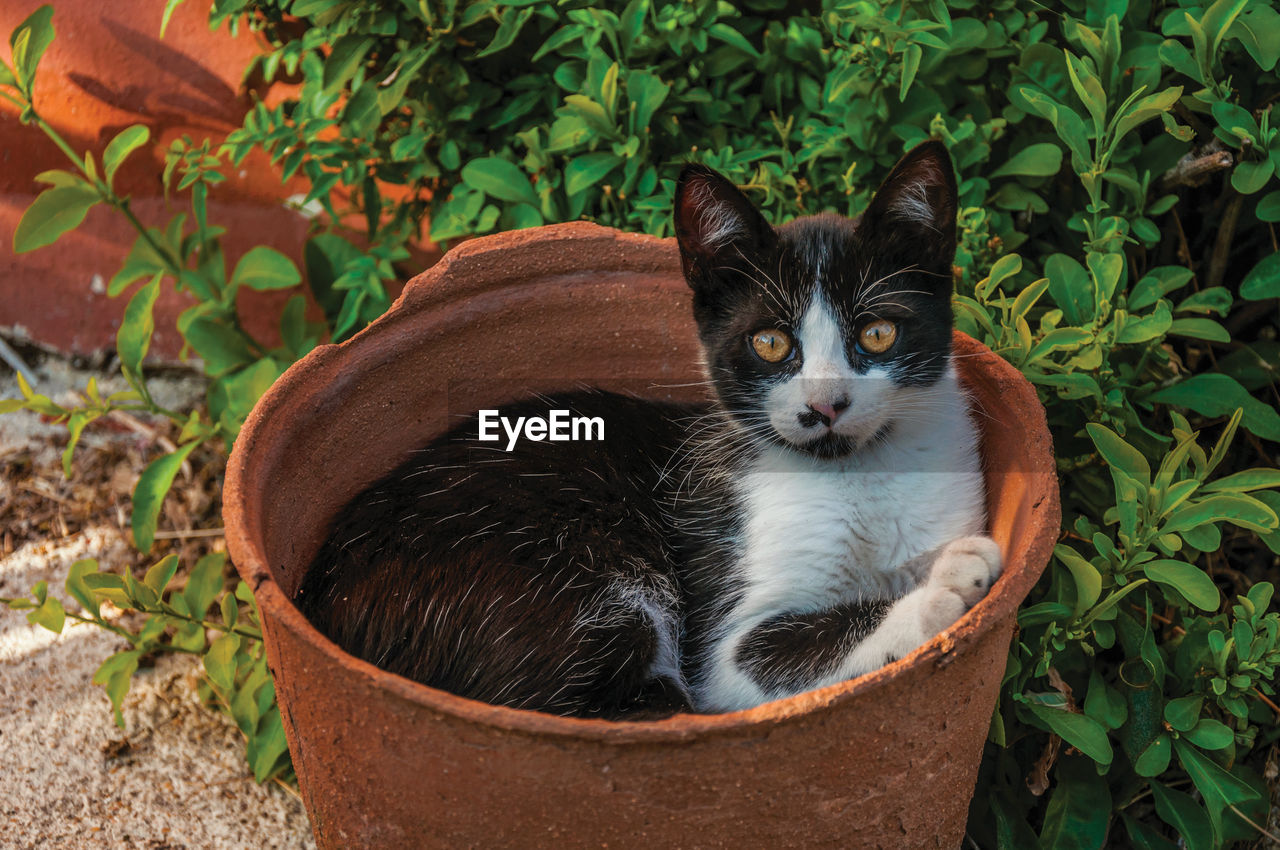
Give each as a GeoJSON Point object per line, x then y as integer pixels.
{"type": "Point", "coordinates": [477, 266]}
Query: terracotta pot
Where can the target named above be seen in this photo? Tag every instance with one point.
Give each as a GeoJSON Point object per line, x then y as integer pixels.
{"type": "Point", "coordinates": [887, 760]}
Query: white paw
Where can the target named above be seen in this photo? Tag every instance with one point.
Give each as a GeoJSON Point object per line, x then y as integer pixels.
{"type": "Point", "coordinates": [962, 575]}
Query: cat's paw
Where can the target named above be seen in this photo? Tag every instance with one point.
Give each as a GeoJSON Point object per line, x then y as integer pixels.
{"type": "Point", "coordinates": [963, 573]}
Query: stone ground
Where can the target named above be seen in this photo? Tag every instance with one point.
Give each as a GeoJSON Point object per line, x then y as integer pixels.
{"type": "Point", "coordinates": [175, 776]}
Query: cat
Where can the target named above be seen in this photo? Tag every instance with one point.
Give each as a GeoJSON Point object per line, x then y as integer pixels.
{"type": "Point", "coordinates": [819, 516]}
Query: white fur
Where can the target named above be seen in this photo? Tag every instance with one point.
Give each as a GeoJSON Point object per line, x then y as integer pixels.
{"type": "Point", "coordinates": [826, 377]}
{"type": "Point", "coordinates": [913, 204]}
{"type": "Point", "coordinates": [821, 532]}
{"type": "Point", "coordinates": [718, 222]}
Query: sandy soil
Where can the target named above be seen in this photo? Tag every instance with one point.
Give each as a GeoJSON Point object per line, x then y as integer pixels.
{"type": "Point", "coordinates": [175, 777]}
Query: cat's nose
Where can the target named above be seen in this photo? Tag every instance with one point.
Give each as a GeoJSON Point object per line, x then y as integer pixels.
{"type": "Point", "coordinates": [829, 413]}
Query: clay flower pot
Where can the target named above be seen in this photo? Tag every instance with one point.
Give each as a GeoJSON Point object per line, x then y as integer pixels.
{"type": "Point", "coordinates": [887, 760]}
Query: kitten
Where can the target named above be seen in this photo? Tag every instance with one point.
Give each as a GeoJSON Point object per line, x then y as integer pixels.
{"type": "Point", "coordinates": [817, 518]}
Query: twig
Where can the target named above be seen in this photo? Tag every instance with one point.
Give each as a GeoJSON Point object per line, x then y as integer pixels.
{"type": "Point", "coordinates": [1194, 170]}
{"type": "Point", "coordinates": [1226, 233]}
{"type": "Point", "coordinates": [287, 787]}
{"type": "Point", "coordinates": [189, 533]}
{"type": "Point", "coordinates": [1245, 818]}
{"type": "Point", "coordinates": [8, 355]}
{"type": "Point", "coordinates": [44, 494]}
{"type": "Point", "coordinates": [1260, 695]}
{"type": "Point", "coordinates": [136, 425]}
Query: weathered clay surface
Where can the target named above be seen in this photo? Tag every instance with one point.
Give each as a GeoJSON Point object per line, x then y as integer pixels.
{"type": "Point", "coordinates": [887, 760]}
{"type": "Point", "coordinates": [108, 68]}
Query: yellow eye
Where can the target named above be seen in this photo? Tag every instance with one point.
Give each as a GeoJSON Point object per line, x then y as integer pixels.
{"type": "Point", "coordinates": [878, 337]}
{"type": "Point", "coordinates": [771, 346]}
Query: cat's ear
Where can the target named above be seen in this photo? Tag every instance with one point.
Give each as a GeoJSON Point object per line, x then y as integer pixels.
{"type": "Point", "coordinates": [714, 221]}
{"type": "Point", "coordinates": [917, 201]}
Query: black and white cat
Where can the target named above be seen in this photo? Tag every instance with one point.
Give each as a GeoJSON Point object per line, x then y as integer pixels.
{"type": "Point", "coordinates": [817, 518]}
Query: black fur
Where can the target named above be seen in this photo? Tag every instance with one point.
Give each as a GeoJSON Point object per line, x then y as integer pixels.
{"type": "Point", "coordinates": [514, 577]}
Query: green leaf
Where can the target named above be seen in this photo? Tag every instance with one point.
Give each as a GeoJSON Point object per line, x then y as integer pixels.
{"type": "Point", "coordinates": [160, 574]}
{"type": "Point", "coordinates": [267, 746]}
{"type": "Point", "coordinates": [1188, 579]}
{"type": "Point", "coordinates": [293, 326]}
{"type": "Point", "coordinates": [1158, 282]}
{"type": "Point", "coordinates": [230, 613]}
{"type": "Point", "coordinates": [223, 348]}
{"type": "Point", "coordinates": [1146, 109]}
{"type": "Point", "coordinates": [108, 586]}
{"type": "Point", "coordinates": [1183, 713]}
{"type": "Point", "coordinates": [511, 22]}
{"type": "Point", "coordinates": [50, 615]}
{"type": "Point", "coordinates": [1215, 299]}
{"type": "Point", "coordinates": [75, 427]}
{"type": "Point", "coordinates": [1143, 328]}
{"type": "Point", "coordinates": [115, 674]}
{"type": "Point", "coordinates": [78, 590]}
{"type": "Point", "coordinates": [1119, 454]}
{"type": "Point", "coordinates": [1260, 595]}
{"type": "Point", "coordinates": [1185, 815]}
{"type": "Point", "coordinates": [1212, 780]}
{"type": "Point", "coordinates": [220, 660]}
{"type": "Point", "coordinates": [36, 34]}
{"type": "Point", "coordinates": [1155, 758]}
{"type": "Point", "coordinates": [1104, 703]}
{"type": "Point", "coordinates": [1259, 478]}
{"type": "Point", "coordinates": [1144, 837]}
{"type": "Point", "coordinates": [1079, 730]}
{"type": "Point", "coordinates": [264, 268]}
{"type": "Point", "coordinates": [1214, 394]}
{"type": "Point", "coordinates": [141, 262]}
{"type": "Point", "coordinates": [134, 337]}
{"type": "Point", "coordinates": [1259, 31]}
{"type": "Point", "coordinates": [52, 214]}
{"type": "Point", "coordinates": [169, 7]}
{"type": "Point", "coordinates": [1236, 508]}
{"type": "Point", "coordinates": [1058, 339]}
{"type": "Point", "coordinates": [241, 390]}
{"type": "Point", "coordinates": [1219, 788]}
{"type": "Point", "coordinates": [204, 583]}
{"type": "Point", "coordinates": [149, 493]}
{"type": "Point", "coordinates": [1249, 177]}
{"type": "Point", "coordinates": [126, 142]}
{"type": "Point", "coordinates": [1079, 809]}
{"type": "Point", "coordinates": [344, 59]}
{"type": "Point", "coordinates": [1200, 329]}
{"type": "Point", "coordinates": [733, 38]}
{"type": "Point", "coordinates": [1039, 160]}
{"type": "Point", "coordinates": [646, 92]}
{"type": "Point", "coordinates": [1088, 580]}
{"type": "Point", "coordinates": [500, 179]}
{"type": "Point", "coordinates": [1268, 209]}
{"type": "Point", "coordinates": [910, 66]}
{"type": "Point", "coordinates": [583, 172]}
{"type": "Point", "coordinates": [1263, 280]}
{"type": "Point", "coordinates": [1071, 288]}
{"type": "Point", "coordinates": [1210, 734]}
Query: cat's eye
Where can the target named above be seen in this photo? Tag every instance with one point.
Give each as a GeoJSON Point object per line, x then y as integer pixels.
{"type": "Point", "coordinates": [771, 346]}
{"type": "Point", "coordinates": [878, 337]}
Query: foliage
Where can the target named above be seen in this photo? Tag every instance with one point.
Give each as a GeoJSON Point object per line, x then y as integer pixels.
{"type": "Point", "coordinates": [1127, 152]}
{"type": "Point", "coordinates": [236, 678]}
{"type": "Point", "coordinates": [187, 253]}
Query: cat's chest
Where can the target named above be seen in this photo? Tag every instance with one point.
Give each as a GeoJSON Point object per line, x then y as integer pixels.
{"type": "Point", "coordinates": [811, 533]}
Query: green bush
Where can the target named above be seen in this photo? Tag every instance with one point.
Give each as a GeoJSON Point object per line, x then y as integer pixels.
{"type": "Point", "coordinates": [1118, 175]}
